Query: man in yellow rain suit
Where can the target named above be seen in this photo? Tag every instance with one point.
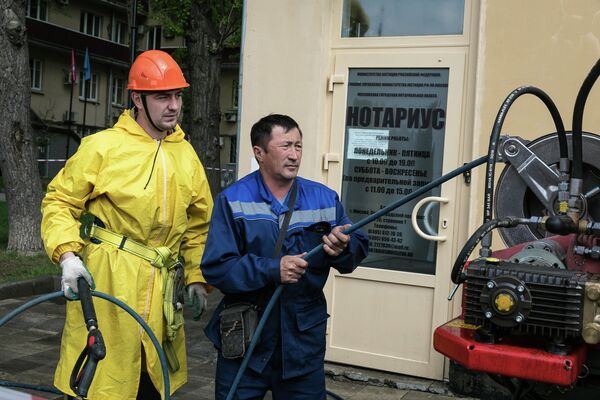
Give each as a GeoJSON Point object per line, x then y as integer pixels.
{"type": "Point", "coordinates": [145, 185]}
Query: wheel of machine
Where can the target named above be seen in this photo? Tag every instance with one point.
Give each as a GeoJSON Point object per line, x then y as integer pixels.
{"type": "Point", "coordinates": [514, 198]}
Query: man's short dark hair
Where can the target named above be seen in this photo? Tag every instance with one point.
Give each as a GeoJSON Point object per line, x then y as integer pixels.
{"type": "Point", "coordinates": [260, 134]}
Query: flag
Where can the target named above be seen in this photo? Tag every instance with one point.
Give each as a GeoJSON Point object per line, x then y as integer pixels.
{"type": "Point", "coordinates": [86, 66]}
{"type": "Point", "coordinates": [73, 72]}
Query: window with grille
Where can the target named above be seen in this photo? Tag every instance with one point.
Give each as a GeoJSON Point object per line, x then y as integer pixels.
{"type": "Point", "coordinates": [37, 9]}
{"type": "Point", "coordinates": [90, 86]}
{"type": "Point", "coordinates": [35, 67]}
{"type": "Point", "coordinates": [154, 35]}
{"type": "Point", "coordinates": [235, 94]}
{"type": "Point", "coordinates": [117, 91]}
{"type": "Point", "coordinates": [119, 32]}
{"type": "Point", "coordinates": [90, 24]}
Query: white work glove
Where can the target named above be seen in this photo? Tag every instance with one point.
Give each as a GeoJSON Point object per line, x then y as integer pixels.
{"type": "Point", "coordinates": [196, 298]}
{"type": "Point", "coordinates": [72, 270]}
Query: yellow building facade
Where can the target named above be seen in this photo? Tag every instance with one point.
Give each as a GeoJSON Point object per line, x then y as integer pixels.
{"type": "Point", "coordinates": [391, 95]}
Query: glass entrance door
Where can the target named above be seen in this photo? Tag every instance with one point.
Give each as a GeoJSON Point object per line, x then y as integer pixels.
{"type": "Point", "coordinates": [394, 144]}
{"type": "Point", "coordinates": [395, 127]}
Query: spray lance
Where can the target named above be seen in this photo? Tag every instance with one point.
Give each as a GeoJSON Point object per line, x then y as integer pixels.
{"type": "Point", "coordinates": [94, 351]}
{"type": "Point", "coordinates": [319, 248]}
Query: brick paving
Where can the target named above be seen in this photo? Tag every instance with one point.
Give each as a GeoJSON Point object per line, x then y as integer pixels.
{"type": "Point", "coordinates": [29, 347]}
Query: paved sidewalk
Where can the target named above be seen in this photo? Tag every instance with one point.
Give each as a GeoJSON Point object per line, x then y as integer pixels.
{"type": "Point", "coordinates": [29, 346]}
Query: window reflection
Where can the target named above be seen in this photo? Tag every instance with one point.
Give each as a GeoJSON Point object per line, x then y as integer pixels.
{"type": "Point", "coordinates": [376, 18]}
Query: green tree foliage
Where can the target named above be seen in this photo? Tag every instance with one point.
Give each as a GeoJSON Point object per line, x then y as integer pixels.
{"type": "Point", "coordinates": [225, 16]}
{"type": "Point", "coordinates": [208, 26]}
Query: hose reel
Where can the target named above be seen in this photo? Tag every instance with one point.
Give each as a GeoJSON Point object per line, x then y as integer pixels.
{"type": "Point", "coordinates": [527, 185]}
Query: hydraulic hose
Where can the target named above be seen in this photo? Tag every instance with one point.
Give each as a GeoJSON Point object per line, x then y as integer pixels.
{"type": "Point", "coordinates": [261, 324]}
{"type": "Point", "coordinates": [474, 240]}
{"type": "Point", "coordinates": [37, 388]}
{"type": "Point", "coordinates": [580, 101]}
{"type": "Point", "coordinates": [576, 185]}
{"type": "Point", "coordinates": [495, 139]}
{"type": "Point", "coordinates": [119, 303]}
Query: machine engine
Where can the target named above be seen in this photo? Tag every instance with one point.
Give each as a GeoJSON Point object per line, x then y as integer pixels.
{"type": "Point", "coordinates": [531, 311]}
{"type": "Point", "coordinates": [506, 297]}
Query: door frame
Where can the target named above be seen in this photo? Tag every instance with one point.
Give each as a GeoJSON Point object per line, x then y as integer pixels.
{"type": "Point", "coordinates": [455, 59]}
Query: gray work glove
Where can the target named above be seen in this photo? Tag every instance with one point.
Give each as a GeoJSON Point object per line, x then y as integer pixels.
{"type": "Point", "coordinates": [72, 270]}
{"type": "Point", "coordinates": [196, 299]}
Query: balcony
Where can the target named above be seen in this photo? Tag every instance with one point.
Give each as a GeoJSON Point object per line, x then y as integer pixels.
{"type": "Point", "coordinates": [49, 35]}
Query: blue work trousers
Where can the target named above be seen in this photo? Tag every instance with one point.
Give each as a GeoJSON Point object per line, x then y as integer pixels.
{"type": "Point", "coordinates": [254, 386]}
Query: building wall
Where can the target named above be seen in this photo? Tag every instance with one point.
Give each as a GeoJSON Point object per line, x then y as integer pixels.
{"type": "Point", "coordinates": [286, 63]}
{"type": "Point", "coordinates": [550, 44]}
{"type": "Point", "coordinates": [52, 102]}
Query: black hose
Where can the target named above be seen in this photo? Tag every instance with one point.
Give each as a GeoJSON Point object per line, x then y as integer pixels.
{"type": "Point", "coordinates": [130, 311]}
{"type": "Point", "coordinates": [27, 386]}
{"type": "Point", "coordinates": [468, 248]}
{"type": "Point", "coordinates": [584, 91]}
{"type": "Point", "coordinates": [117, 302]}
{"type": "Point", "coordinates": [474, 240]}
{"type": "Point", "coordinates": [495, 139]}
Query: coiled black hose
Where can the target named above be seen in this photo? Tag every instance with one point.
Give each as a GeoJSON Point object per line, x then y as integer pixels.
{"type": "Point", "coordinates": [495, 139]}
{"type": "Point", "coordinates": [119, 303]}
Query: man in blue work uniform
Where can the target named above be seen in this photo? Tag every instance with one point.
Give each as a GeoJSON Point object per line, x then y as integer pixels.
{"type": "Point", "coordinates": [238, 260]}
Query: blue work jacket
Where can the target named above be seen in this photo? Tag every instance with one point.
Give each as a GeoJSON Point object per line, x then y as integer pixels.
{"type": "Point", "coordinates": [238, 260]}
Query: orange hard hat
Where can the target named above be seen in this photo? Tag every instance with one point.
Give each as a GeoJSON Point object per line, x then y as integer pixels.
{"type": "Point", "coordinates": [155, 70]}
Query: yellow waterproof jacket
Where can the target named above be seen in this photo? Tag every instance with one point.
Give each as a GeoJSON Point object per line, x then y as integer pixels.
{"type": "Point", "coordinates": [155, 193]}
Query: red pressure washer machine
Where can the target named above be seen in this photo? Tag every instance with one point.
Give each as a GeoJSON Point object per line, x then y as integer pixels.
{"type": "Point", "coordinates": [531, 312]}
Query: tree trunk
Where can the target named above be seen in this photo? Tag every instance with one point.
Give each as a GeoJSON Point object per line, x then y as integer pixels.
{"type": "Point", "coordinates": [18, 160]}
{"type": "Point", "coordinates": [202, 115]}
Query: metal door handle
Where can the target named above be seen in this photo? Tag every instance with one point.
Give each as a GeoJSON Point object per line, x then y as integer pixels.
{"type": "Point", "coordinates": [426, 218]}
